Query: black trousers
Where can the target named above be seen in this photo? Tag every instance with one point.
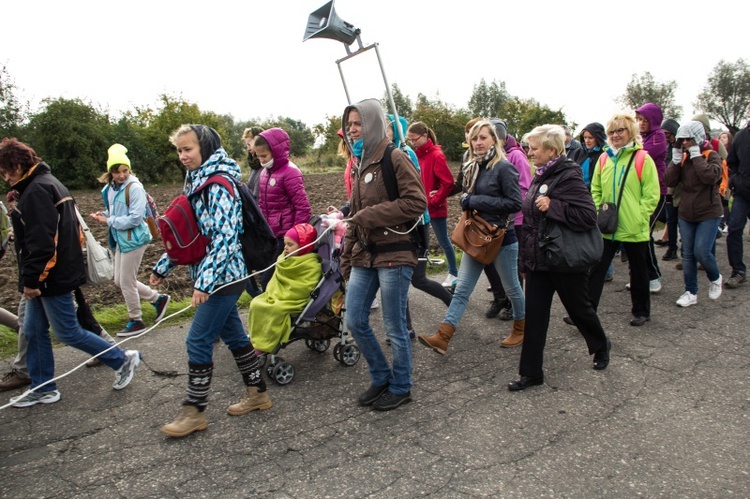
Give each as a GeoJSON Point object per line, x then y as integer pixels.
{"type": "Point", "coordinates": [573, 292]}
{"type": "Point", "coordinates": [638, 259]}
{"type": "Point", "coordinates": [420, 281]}
{"type": "Point", "coordinates": [659, 215]}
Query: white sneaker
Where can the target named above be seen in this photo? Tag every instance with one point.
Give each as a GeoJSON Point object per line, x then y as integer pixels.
{"type": "Point", "coordinates": [687, 299]}
{"type": "Point", "coordinates": [374, 304]}
{"type": "Point", "coordinates": [627, 286]}
{"type": "Point", "coordinates": [714, 289]}
{"type": "Point", "coordinates": [655, 285]}
{"type": "Point", "coordinates": [34, 398]}
{"type": "Point", "coordinates": [124, 375]}
{"type": "Point", "coordinates": [450, 281]}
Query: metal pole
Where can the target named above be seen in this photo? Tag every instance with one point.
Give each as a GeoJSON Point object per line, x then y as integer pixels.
{"type": "Point", "coordinates": [343, 80]}
{"type": "Point", "coordinates": [402, 140]}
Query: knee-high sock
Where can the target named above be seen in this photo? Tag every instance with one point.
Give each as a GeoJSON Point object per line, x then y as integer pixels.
{"type": "Point", "coordinates": [249, 366]}
{"type": "Point", "coordinates": [199, 383]}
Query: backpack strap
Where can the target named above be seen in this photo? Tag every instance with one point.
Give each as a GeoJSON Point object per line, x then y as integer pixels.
{"type": "Point", "coordinates": [640, 159]}
{"type": "Point", "coordinates": [127, 194]}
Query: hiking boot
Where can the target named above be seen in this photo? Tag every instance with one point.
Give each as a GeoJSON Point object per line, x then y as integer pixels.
{"type": "Point", "coordinates": [678, 265]}
{"type": "Point", "coordinates": [132, 328]}
{"type": "Point", "coordinates": [35, 398]}
{"type": "Point", "coordinates": [188, 420]}
{"type": "Point", "coordinates": [372, 394]}
{"type": "Point", "coordinates": [13, 380]}
{"type": "Point", "coordinates": [687, 299]}
{"type": "Point", "coordinates": [253, 400]}
{"type": "Point", "coordinates": [389, 401]}
{"type": "Point", "coordinates": [495, 308]}
{"type": "Point", "coordinates": [735, 280]}
{"type": "Point", "coordinates": [714, 288]}
{"type": "Point", "coordinates": [670, 255]}
{"type": "Point", "coordinates": [438, 341]}
{"type": "Point", "coordinates": [124, 375]}
{"type": "Point", "coordinates": [515, 337]}
{"type": "Point", "coordinates": [95, 362]}
{"type": "Point", "coordinates": [161, 306]}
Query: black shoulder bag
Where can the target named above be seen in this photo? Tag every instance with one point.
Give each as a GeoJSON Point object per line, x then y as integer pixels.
{"type": "Point", "coordinates": [606, 215]}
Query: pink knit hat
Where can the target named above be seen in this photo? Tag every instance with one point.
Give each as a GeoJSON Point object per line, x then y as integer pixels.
{"type": "Point", "coordinates": [304, 235]}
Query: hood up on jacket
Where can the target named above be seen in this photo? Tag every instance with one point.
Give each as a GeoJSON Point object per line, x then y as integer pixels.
{"type": "Point", "coordinates": [692, 130]}
{"type": "Point", "coordinates": [373, 128]}
{"type": "Point", "coordinates": [512, 144]}
{"type": "Point", "coordinates": [278, 143]}
{"type": "Point", "coordinates": [403, 124]}
{"type": "Point", "coordinates": [653, 115]}
{"type": "Point", "coordinates": [597, 130]}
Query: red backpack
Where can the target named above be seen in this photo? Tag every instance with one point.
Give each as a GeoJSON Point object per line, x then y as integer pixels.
{"type": "Point", "coordinates": [640, 158]}
{"type": "Point", "coordinates": [180, 233]}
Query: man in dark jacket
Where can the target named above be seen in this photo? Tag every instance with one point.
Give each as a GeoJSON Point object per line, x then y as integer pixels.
{"type": "Point", "coordinates": [50, 268]}
{"type": "Point", "coordinates": [670, 127]}
{"type": "Point", "coordinates": [738, 161]}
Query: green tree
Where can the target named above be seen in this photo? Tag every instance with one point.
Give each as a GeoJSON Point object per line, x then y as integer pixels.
{"type": "Point", "coordinates": [489, 100]}
{"type": "Point", "coordinates": [326, 135]}
{"type": "Point", "coordinates": [72, 137]}
{"type": "Point", "coordinates": [643, 89]}
{"type": "Point", "coordinates": [447, 122]}
{"type": "Point", "coordinates": [726, 96]}
{"type": "Point", "coordinates": [403, 103]}
{"type": "Point", "coordinates": [300, 136]}
{"type": "Point", "coordinates": [522, 115]}
{"type": "Point", "coordinates": [12, 111]}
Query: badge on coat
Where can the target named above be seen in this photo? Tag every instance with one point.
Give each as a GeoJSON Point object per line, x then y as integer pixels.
{"type": "Point", "coordinates": [272, 182]}
{"type": "Point", "coordinates": [543, 189]}
{"type": "Point", "coordinates": [368, 178]}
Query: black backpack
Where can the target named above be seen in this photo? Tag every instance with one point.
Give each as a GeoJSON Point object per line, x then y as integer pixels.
{"type": "Point", "coordinates": [258, 241]}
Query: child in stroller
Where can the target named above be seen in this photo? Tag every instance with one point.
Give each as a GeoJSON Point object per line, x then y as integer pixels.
{"type": "Point", "coordinates": [303, 300]}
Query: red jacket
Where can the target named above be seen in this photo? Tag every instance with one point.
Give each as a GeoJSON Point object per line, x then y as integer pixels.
{"type": "Point", "coordinates": [436, 176]}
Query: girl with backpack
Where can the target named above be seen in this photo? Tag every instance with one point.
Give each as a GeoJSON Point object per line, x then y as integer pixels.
{"type": "Point", "coordinates": [124, 213]}
{"type": "Point", "coordinates": [219, 280]}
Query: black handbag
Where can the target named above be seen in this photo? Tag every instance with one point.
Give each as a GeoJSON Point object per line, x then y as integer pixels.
{"type": "Point", "coordinates": [566, 250]}
{"type": "Point", "coordinates": [606, 215]}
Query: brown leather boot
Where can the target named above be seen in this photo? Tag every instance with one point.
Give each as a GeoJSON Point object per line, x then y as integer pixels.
{"type": "Point", "coordinates": [515, 337]}
{"type": "Point", "coordinates": [188, 420]}
{"type": "Point", "coordinates": [439, 341]}
{"type": "Point", "coordinates": [253, 400]}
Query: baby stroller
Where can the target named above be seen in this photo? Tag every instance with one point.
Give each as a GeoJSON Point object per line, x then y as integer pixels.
{"type": "Point", "coordinates": [322, 319]}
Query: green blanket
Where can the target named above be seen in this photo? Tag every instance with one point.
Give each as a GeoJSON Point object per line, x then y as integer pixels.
{"type": "Point", "coordinates": [288, 291]}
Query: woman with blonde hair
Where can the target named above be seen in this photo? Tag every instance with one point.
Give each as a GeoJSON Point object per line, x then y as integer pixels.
{"type": "Point", "coordinates": [558, 193]}
{"type": "Point", "coordinates": [490, 188]}
{"type": "Point", "coordinates": [629, 170]}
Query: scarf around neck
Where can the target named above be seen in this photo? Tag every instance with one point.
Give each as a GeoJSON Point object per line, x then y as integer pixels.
{"type": "Point", "coordinates": [471, 169]}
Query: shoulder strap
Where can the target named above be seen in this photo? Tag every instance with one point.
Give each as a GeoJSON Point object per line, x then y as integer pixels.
{"type": "Point", "coordinates": [640, 158]}
{"type": "Point", "coordinates": [127, 194]}
{"type": "Point", "coordinates": [389, 176]}
{"type": "Point", "coordinates": [217, 178]}
{"type": "Point", "coordinates": [603, 160]}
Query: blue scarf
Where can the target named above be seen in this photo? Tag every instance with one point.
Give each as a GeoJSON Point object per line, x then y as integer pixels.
{"type": "Point", "coordinates": [357, 148]}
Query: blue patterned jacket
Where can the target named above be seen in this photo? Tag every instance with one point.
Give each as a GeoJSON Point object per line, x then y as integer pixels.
{"type": "Point", "coordinates": [220, 220]}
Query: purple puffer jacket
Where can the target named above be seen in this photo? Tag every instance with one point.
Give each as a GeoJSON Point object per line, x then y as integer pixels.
{"type": "Point", "coordinates": [655, 142]}
{"type": "Point", "coordinates": [282, 197]}
{"type": "Point", "coordinates": [517, 157]}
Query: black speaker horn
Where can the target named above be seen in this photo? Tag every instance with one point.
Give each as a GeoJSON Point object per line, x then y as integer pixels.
{"type": "Point", "coordinates": [324, 23]}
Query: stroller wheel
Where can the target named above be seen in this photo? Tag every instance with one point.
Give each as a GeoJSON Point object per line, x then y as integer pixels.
{"type": "Point", "coordinates": [283, 373]}
{"type": "Point", "coordinates": [321, 345]}
{"type": "Point", "coordinates": [262, 360]}
{"type": "Point", "coordinates": [349, 355]}
{"type": "Point", "coordinates": [309, 344]}
{"type": "Point", "coordinates": [337, 352]}
{"type": "Point", "coordinates": [275, 361]}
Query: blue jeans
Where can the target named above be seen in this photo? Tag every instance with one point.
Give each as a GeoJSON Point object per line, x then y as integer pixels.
{"type": "Point", "coordinates": [506, 264]}
{"type": "Point", "coordinates": [394, 290]}
{"type": "Point", "coordinates": [59, 312]}
{"type": "Point", "coordinates": [440, 227]}
{"type": "Point", "coordinates": [697, 240]}
{"type": "Point", "coordinates": [217, 317]}
{"type": "Point", "coordinates": [737, 219]}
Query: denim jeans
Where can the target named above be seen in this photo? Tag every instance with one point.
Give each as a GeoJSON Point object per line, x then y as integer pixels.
{"type": "Point", "coordinates": [394, 290]}
{"type": "Point", "coordinates": [697, 240]}
{"type": "Point", "coordinates": [737, 220]}
{"type": "Point", "coordinates": [440, 227]}
{"type": "Point", "coordinates": [506, 264]}
{"type": "Point", "coordinates": [59, 312]}
{"type": "Point", "coordinates": [217, 317]}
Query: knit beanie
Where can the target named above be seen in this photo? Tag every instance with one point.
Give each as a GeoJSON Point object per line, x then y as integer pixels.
{"type": "Point", "coordinates": [670, 126]}
{"type": "Point", "coordinates": [304, 235]}
{"type": "Point", "coordinates": [501, 128]}
{"type": "Point", "coordinates": [116, 156]}
{"type": "Point", "coordinates": [692, 130]}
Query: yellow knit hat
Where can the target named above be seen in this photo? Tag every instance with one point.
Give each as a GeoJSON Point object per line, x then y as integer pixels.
{"type": "Point", "coordinates": [116, 156]}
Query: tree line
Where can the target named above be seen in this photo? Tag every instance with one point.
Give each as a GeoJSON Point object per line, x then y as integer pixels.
{"type": "Point", "coordinates": [73, 135]}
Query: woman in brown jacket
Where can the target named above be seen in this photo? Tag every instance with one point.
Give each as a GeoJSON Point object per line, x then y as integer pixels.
{"type": "Point", "coordinates": [379, 251]}
{"type": "Point", "coordinates": [699, 169]}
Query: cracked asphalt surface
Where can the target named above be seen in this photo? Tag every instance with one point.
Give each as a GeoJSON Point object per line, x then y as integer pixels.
{"type": "Point", "coordinates": [668, 418]}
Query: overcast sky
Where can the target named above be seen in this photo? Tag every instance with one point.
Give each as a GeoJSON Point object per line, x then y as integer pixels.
{"type": "Point", "coordinates": [247, 58]}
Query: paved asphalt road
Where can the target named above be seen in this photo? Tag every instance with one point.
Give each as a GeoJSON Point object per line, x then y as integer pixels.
{"type": "Point", "coordinates": [668, 418]}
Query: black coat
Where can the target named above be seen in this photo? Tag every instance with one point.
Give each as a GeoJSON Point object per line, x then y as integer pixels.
{"type": "Point", "coordinates": [570, 203]}
{"type": "Point", "coordinates": [47, 235]}
{"type": "Point", "coordinates": [738, 162]}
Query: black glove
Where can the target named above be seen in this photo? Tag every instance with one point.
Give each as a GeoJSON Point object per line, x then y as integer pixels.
{"type": "Point", "coordinates": [465, 201]}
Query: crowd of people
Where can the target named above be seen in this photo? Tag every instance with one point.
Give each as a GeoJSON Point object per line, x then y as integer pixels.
{"type": "Point", "coordinates": [648, 169]}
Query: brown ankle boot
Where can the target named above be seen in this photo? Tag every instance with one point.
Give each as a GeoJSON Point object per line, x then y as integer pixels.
{"type": "Point", "coordinates": [515, 337]}
{"type": "Point", "coordinates": [188, 420]}
{"type": "Point", "coordinates": [439, 341]}
{"type": "Point", "coordinates": [251, 401]}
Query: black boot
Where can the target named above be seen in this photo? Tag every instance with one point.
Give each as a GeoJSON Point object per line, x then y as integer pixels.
{"type": "Point", "coordinates": [498, 304]}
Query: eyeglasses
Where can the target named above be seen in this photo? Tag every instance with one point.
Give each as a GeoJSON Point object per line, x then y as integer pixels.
{"type": "Point", "coordinates": [414, 141]}
{"type": "Point", "coordinates": [619, 131]}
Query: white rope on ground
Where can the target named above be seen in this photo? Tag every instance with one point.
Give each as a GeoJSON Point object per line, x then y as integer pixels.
{"type": "Point", "coordinates": [148, 330]}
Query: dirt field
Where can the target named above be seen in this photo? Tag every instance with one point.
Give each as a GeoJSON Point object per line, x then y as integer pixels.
{"type": "Point", "coordinates": [322, 189]}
